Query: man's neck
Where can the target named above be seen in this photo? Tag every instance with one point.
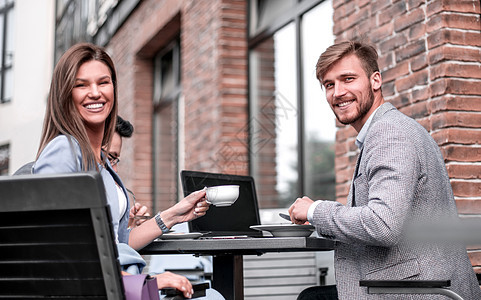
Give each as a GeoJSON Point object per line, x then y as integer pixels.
{"type": "Point", "coordinates": [360, 123]}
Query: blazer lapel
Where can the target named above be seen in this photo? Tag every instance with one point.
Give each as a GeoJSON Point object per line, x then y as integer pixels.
{"type": "Point", "coordinates": [352, 192]}
{"type": "Point", "coordinates": [351, 201]}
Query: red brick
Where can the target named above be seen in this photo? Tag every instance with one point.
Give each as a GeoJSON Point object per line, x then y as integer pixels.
{"type": "Point", "coordinates": [454, 37]}
{"type": "Point", "coordinates": [391, 12]}
{"type": "Point", "coordinates": [416, 110]}
{"type": "Point", "coordinates": [392, 43]}
{"type": "Point", "coordinates": [409, 19]}
{"type": "Point", "coordinates": [385, 61]}
{"type": "Point", "coordinates": [456, 119]}
{"type": "Point", "coordinates": [462, 154]}
{"type": "Point", "coordinates": [397, 71]}
{"type": "Point", "coordinates": [415, 3]}
{"type": "Point", "coordinates": [467, 188]}
{"type": "Point", "coordinates": [456, 86]}
{"type": "Point", "coordinates": [453, 69]}
{"type": "Point", "coordinates": [421, 94]}
{"type": "Point", "coordinates": [458, 103]}
{"type": "Point", "coordinates": [453, 20]}
{"type": "Point", "coordinates": [457, 136]}
{"type": "Point", "coordinates": [400, 100]}
{"type": "Point", "coordinates": [344, 10]}
{"type": "Point", "coordinates": [464, 171]}
{"type": "Point", "coordinates": [464, 6]}
{"type": "Point", "coordinates": [381, 32]}
{"type": "Point", "coordinates": [416, 79]}
{"type": "Point", "coordinates": [475, 257]}
{"type": "Point", "coordinates": [388, 89]}
{"type": "Point", "coordinates": [412, 49]}
{"type": "Point", "coordinates": [468, 206]}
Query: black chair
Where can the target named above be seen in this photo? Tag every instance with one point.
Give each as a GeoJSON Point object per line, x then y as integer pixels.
{"type": "Point", "coordinates": [55, 238]}
{"type": "Point", "coordinates": [440, 287]}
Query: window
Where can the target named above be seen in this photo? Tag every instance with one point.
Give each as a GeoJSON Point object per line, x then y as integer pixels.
{"type": "Point", "coordinates": [166, 125]}
{"type": "Point", "coordinates": [4, 159]}
{"type": "Point", "coordinates": [71, 24]}
{"type": "Point", "coordinates": [7, 43]}
{"type": "Point", "coordinates": [292, 128]}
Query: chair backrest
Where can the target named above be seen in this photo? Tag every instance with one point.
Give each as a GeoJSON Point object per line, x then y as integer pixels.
{"type": "Point", "coordinates": [56, 238]}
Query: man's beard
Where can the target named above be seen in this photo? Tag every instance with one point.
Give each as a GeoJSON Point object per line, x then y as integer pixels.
{"type": "Point", "coordinates": [364, 109]}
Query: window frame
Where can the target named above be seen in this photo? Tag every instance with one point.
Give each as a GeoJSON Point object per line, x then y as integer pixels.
{"type": "Point", "coordinates": [7, 9]}
{"type": "Point", "coordinates": [255, 38]}
{"type": "Point", "coordinates": [160, 102]}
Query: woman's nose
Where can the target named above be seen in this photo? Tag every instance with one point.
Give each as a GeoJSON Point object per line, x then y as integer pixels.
{"type": "Point", "coordinates": [94, 91]}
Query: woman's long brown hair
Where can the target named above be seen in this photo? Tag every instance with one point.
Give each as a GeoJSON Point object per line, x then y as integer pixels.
{"type": "Point", "coordinates": [61, 115]}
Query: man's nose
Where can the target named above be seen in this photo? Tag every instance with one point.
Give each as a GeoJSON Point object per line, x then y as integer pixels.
{"type": "Point", "coordinates": [339, 90]}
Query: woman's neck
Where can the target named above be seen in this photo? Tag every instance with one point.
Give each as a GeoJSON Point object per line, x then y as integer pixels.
{"type": "Point", "coordinates": [95, 138]}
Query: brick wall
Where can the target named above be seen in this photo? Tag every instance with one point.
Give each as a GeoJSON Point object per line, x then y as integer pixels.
{"type": "Point", "coordinates": [214, 70]}
{"type": "Point", "coordinates": [430, 61]}
{"type": "Point", "coordinates": [214, 87]}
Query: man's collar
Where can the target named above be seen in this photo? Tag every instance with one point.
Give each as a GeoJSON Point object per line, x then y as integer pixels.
{"type": "Point", "coordinates": [361, 136]}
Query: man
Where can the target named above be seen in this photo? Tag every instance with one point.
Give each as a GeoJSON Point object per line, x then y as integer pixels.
{"type": "Point", "coordinates": [123, 129]}
{"type": "Point", "coordinates": [400, 178]}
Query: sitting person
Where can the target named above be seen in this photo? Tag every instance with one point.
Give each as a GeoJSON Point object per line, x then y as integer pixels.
{"type": "Point", "coordinates": [130, 259]}
{"type": "Point", "coordinates": [79, 122]}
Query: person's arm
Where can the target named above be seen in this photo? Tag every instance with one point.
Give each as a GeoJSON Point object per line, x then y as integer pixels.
{"type": "Point", "coordinates": [168, 279]}
{"type": "Point", "coordinates": [189, 208]}
{"type": "Point", "coordinates": [388, 184]}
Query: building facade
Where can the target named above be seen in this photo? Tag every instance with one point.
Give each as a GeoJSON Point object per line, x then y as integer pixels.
{"type": "Point", "coordinates": [229, 86]}
{"type": "Point", "coordinates": [25, 72]}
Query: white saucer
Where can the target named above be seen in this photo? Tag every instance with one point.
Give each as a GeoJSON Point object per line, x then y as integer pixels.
{"type": "Point", "coordinates": [180, 235]}
{"type": "Point", "coordinates": [286, 230]}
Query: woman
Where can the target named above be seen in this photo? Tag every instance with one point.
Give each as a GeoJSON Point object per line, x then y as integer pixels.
{"type": "Point", "coordinates": [79, 121]}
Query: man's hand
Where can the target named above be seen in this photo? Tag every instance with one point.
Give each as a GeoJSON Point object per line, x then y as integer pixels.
{"type": "Point", "coordinates": [137, 210]}
{"type": "Point", "coordinates": [298, 210]}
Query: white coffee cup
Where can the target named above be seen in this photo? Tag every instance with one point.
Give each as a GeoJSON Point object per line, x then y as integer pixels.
{"type": "Point", "coordinates": [222, 195]}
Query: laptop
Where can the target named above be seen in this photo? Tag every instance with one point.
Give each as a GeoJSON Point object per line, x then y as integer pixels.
{"type": "Point", "coordinates": [227, 221]}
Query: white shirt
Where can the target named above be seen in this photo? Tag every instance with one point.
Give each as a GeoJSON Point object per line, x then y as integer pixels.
{"type": "Point", "coordinates": [361, 136]}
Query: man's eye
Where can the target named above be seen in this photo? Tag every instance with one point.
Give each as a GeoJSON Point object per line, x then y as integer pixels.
{"type": "Point", "coordinates": [104, 82]}
{"type": "Point", "coordinates": [348, 79]}
{"type": "Point", "coordinates": [328, 85]}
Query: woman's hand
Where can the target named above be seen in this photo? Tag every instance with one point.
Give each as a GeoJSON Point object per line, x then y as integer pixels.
{"type": "Point", "coordinates": [168, 279]}
{"type": "Point", "coordinates": [137, 210]}
{"type": "Point", "coordinates": [189, 208]}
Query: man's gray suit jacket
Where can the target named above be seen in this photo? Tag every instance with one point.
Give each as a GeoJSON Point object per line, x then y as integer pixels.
{"type": "Point", "coordinates": [401, 178]}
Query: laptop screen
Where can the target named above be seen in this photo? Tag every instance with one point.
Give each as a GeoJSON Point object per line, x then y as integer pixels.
{"type": "Point", "coordinates": [228, 220]}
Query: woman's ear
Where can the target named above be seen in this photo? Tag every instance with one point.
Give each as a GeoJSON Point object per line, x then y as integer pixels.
{"type": "Point", "coordinates": [376, 80]}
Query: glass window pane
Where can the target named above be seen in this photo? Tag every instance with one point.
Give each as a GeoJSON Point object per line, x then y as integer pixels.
{"type": "Point", "coordinates": [4, 159]}
{"type": "Point", "coordinates": [274, 127]}
{"type": "Point", "coordinates": [167, 74]}
{"type": "Point", "coordinates": [2, 18]}
{"type": "Point", "coordinates": [266, 11]}
{"type": "Point", "coordinates": [165, 131]}
{"type": "Point", "coordinates": [319, 120]}
{"type": "Point", "coordinates": [8, 92]}
{"type": "Point", "coordinates": [10, 38]}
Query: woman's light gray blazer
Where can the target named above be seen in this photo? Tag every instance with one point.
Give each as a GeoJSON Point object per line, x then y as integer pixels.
{"type": "Point", "coordinates": [62, 155]}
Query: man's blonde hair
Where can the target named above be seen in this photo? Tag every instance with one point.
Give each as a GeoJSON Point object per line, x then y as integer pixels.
{"type": "Point", "coordinates": [366, 53]}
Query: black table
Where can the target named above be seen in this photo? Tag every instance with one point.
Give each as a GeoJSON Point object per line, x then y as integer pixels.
{"type": "Point", "coordinates": [228, 278]}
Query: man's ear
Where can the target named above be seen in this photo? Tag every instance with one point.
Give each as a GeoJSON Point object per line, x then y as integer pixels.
{"type": "Point", "coordinates": [376, 80]}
